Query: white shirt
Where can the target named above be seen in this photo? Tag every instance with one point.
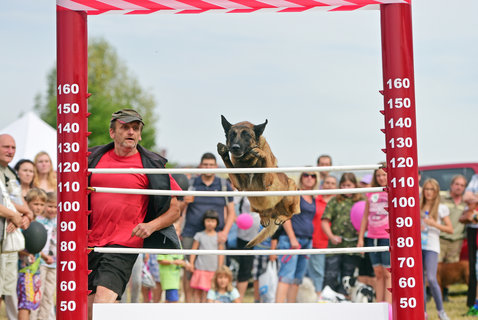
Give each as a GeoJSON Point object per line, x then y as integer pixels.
{"type": "Point", "coordinates": [433, 243]}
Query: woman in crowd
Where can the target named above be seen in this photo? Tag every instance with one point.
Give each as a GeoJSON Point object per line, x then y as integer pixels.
{"type": "Point", "coordinates": [319, 238]}
{"type": "Point", "coordinates": [435, 218]}
{"type": "Point", "coordinates": [45, 177]}
{"type": "Point", "coordinates": [373, 233]}
{"type": "Point", "coordinates": [297, 234]}
{"type": "Point", "coordinates": [339, 229]}
{"type": "Point", "coordinates": [25, 170]}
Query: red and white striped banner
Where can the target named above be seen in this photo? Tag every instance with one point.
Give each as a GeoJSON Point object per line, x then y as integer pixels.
{"type": "Point", "coordinates": [95, 7]}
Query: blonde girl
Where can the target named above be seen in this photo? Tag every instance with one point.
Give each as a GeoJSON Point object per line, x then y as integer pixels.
{"type": "Point", "coordinates": [222, 290]}
{"type": "Point", "coordinates": [435, 218]}
{"type": "Point", "coordinates": [45, 177]}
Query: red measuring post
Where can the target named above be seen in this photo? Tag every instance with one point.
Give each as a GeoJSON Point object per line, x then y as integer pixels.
{"type": "Point", "coordinates": [402, 166]}
{"type": "Point", "coordinates": [72, 125]}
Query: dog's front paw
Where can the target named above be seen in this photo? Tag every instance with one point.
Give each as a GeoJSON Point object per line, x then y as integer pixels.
{"type": "Point", "coordinates": [256, 152]}
{"type": "Point", "coordinates": [223, 150]}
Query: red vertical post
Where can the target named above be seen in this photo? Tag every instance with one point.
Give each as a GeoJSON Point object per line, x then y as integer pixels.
{"type": "Point", "coordinates": [402, 167]}
{"type": "Point", "coordinates": [72, 125]}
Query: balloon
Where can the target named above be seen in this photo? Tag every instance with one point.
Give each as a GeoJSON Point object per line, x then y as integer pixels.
{"type": "Point", "coordinates": [35, 237]}
{"type": "Point", "coordinates": [244, 221]}
{"type": "Point", "coordinates": [356, 214]}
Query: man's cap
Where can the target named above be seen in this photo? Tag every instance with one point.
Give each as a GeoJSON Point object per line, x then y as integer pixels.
{"type": "Point", "coordinates": [127, 116]}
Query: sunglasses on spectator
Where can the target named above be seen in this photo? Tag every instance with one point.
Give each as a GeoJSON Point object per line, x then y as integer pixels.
{"type": "Point", "coordinates": [306, 175]}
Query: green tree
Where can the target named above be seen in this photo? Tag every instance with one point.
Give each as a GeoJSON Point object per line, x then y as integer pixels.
{"type": "Point", "coordinates": [112, 87]}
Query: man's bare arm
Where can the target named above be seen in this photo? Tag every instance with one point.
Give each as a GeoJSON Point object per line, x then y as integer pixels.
{"type": "Point", "coordinates": [145, 229]}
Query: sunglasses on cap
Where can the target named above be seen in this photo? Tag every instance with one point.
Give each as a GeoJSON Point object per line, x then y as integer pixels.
{"type": "Point", "coordinates": [306, 175]}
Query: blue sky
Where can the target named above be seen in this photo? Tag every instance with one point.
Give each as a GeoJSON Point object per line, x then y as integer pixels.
{"type": "Point", "coordinates": [315, 76]}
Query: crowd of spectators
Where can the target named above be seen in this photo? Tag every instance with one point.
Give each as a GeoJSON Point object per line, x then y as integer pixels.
{"type": "Point", "coordinates": [28, 281]}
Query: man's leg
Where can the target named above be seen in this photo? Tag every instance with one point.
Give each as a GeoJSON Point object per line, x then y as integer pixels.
{"type": "Point", "coordinates": [109, 276]}
{"type": "Point", "coordinates": [102, 295]}
{"type": "Point", "coordinates": [105, 295]}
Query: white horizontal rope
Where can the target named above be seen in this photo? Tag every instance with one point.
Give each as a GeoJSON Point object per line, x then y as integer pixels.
{"type": "Point", "coordinates": [152, 192]}
{"type": "Point", "coordinates": [290, 252]}
{"type": "Point", "coordinates": [235, 170]}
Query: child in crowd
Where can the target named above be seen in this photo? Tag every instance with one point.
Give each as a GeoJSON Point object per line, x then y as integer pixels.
{"type": "Point", "coordinates": [338, 227]}
{"type": "Point", "coordinates": [435, 218]}
{"type": "Point", "coordinates": [170, 273]}
{"type": "Point", "coordinates": [151, 292]}
{"type": "Point", "coordinates": [373, 233]}
{"type": "Point", "coordinates": [28, 284]}
{"type": "Point", "coordinates": [48, 257]}
{"type": "Point", "coordinates": [222, 290]}
{"type": "Point", "coordinates": [205, 265]}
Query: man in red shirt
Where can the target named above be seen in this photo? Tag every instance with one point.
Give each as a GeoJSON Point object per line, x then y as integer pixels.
{"type": "Point", "coordinates": [126, 220]}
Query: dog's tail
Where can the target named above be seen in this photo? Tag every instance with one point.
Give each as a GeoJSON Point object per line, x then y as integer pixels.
{"type": "Point", "coordinates": [265, 233]}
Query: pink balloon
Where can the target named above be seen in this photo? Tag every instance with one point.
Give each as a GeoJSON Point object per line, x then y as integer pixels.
{"type": "Point", "coordinates": [356, 214]}
{"type": "Point", "coordinates": [244, 221]}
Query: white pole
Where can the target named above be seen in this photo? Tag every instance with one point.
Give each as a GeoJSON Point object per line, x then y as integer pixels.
{"type": "Point", "coordinates": [234, 193]}
{"type": "Point", "coordinates": [236, 170]}
{"type": "Point", "coordinates": [243, 252]}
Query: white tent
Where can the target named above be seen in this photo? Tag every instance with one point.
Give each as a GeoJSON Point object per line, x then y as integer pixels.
{"type": "Point", "coordinates": [32, 135]}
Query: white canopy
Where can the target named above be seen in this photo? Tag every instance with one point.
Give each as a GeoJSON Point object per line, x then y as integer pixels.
{"type": "Point", "coordinates": [32, 135]}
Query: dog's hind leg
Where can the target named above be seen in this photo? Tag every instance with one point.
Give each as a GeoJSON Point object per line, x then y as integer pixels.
{"type": "Point", "coordinates": [263, 235]}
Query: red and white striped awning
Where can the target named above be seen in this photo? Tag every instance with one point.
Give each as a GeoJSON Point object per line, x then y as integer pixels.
{"type": "Point", "coordinates": [95, 7]}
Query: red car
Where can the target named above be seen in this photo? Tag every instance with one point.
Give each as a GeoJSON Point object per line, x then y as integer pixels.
{"type": "Point", "coordinates": [443, 173]}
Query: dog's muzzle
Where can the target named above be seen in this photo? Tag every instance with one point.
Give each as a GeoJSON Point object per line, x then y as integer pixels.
{"type": "Point", "coordinates": [236, 150]}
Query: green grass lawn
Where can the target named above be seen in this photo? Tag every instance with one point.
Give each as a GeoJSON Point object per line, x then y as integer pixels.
{"type": "Point", "coordinates": [455, 308]}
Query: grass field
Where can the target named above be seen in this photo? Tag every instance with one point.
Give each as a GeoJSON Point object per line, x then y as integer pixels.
{"type": "Point", "coordinates": [455, 308]}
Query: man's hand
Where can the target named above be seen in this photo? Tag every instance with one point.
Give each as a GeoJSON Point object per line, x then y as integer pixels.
{"type": "Point", "coordinates": [25, 222]}
{"type": "Point", "coordinates": [49, 259]}
{"type": "Point", "coordinates": [294, 244]}
{"type": "Point", "coordinates": [142, 230]}
{"type": "Point", "coordinates": [11, 227]}
{"type": "Point", "coordinates": [336, 239]}
{"type": "Point", "coordinates": [188, 199]}
{"type": "Point", "coordinates": [16, 219]}
{"type": "Point", "coordinates": [222, 236]}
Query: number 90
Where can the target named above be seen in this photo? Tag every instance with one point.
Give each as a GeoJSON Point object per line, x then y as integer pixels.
{"type": "Point", "coordinates": [404, 222]}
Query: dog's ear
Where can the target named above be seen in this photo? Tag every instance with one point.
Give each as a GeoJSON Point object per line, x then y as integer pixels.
{"type": "Point", "coordinates": [259, 129]}
{"type": "Point", "coordinates": [225, 124]}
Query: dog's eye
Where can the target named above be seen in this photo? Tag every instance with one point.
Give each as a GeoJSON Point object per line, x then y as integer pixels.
{"type": "Point", "coordinates": [232, 134]}
{"type": "Point", "coordinates": [245, 135]}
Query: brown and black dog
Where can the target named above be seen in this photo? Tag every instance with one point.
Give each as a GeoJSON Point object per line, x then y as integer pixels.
{"type": "Point", "coordinates": [247, 148]}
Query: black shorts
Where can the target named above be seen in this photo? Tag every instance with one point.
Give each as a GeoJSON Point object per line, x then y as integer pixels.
{"type": "Point", "coordinates": [110, 270]}
{"type": "Point", "coordinates": [365, 267]}
{"type": "Point", "coordinates": [245, 262]}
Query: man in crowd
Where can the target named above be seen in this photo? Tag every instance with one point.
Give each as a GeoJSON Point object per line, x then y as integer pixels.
{"type": "Point", "coordinates": [14, 215]}
{"type": "Point", "coordinates": [450, 244]}
{"type": "Point", "coordinates": [126, 220]}
{"type": "Point", "coordinates": [470, 217]}
{"type": "Point", "coordinates": [196, 207]}
{"type": "Point", "coordinates": [323, 160]}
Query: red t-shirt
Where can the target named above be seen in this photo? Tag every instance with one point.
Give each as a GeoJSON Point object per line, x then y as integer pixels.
{"type": "Point", "coordinates": [114, 216]}
{"type": "Point", "coordinates": [319, 238]}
